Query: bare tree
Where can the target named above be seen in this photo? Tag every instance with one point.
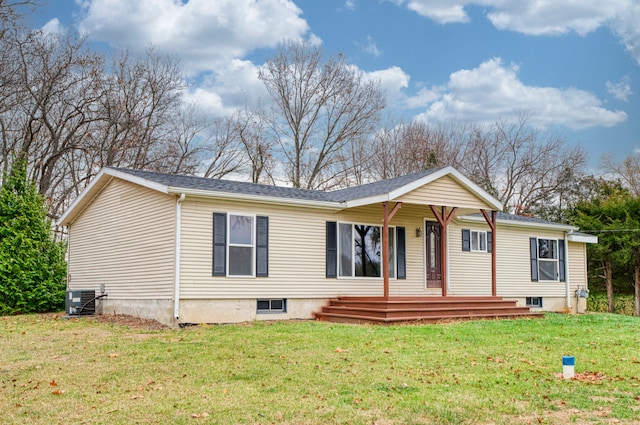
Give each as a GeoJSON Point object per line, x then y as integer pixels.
{"type": "Point", "coordinates": [519, 166]}
{"type": "Point", "coordinates": [142, 94]}
{"type": "Point", "coordinates": [408, 147]}
{"type": "Point", "coordinates": [224, 154]}
{"type": "Point", "coordinates": [59, 86]}
{"type": "Point", "coordinates": [252, 130]}
{"type": "Point", "coordinates": [628, 171]}
{"type": "Point", "coordinates": [322, 106]}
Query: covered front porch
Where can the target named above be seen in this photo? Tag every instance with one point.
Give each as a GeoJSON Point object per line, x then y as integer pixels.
{"type": "Point", "coordinates": [441, 201]}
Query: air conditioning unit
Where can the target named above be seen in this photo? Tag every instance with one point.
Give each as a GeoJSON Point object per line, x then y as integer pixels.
{"type": "Point", "coordinates": [81, 302]}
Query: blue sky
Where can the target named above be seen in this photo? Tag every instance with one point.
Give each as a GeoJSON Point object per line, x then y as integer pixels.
{"type": "Point", "coordinates": [574, 66]}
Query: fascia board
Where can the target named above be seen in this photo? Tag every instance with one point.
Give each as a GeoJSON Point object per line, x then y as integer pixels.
{"type": "Point", "coordinates": [336, 206]}
{"type": "Point", "coordinates": [455, 174]}
{"type": "Point", "coordinates": [138, 180]}
{"type": "Point", "coordinates": [512, 223]}
{"type": "Point", "coordinates": [92, 189]}
{"type": "Point", "coordinates": [581, 237]}
{"type": "Point", "coordinates": [367, 201]}
{"type": "Point", "coordinates": [475, 189]}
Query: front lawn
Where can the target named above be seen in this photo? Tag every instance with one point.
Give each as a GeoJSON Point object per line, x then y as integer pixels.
{"type": "Point", "coordinates": [61, 371]}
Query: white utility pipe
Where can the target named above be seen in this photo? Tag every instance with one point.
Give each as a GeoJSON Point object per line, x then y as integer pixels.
{"type": "Point", "coordinates": [176, 286]}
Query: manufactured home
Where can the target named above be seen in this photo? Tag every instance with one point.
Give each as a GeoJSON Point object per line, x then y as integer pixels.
{"type": "Point", "coordinates": [183, 249]}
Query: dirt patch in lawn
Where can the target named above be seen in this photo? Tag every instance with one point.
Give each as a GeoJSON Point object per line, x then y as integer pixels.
{"type": "Point", "coordinates": [130, 321]}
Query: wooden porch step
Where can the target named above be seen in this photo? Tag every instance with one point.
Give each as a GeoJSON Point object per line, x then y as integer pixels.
{"type": "Point", "coordinates": [425, 312]}
{"type": "Point", "coordinates": [424, 309]}
{"type": "Point", "coordinates": [362, 319]}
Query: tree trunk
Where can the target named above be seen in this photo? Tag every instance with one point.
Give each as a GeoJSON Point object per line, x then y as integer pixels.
{"type": "Point", "coordinates": [608, 277]}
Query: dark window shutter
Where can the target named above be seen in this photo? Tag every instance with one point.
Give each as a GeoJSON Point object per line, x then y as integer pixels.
{"type": "Point", "coordinates": [562, 274]}
{"type": "Point", "coordinates": [466, 240]}
{"type": "Point", "coordinates": [489, 241]}
{"type": "Point", "coordinates": [262, 246]}
{"type": "Point", "coordinates": [219, 244]}
{"type": "Point", "coordinates": [401, 256]}
{"type": "Point", "coordinates": [533, 248]}
{"type": "Point", "coordinates": [332, 249]}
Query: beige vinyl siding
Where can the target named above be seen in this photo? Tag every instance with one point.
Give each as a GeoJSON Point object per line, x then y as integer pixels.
{"type": "Point", "coordinates": [513, 263]}
{"type": "Point", "coordinates": [297, 262]}
{"type": "Point", "coordinates": [125, 239]}
{"type": "Point", "coordinates": [469, 272]}
{"type": "Point", "coordinates": [577, 266]}
{"type": "Point", "coordinates": [444, 191]}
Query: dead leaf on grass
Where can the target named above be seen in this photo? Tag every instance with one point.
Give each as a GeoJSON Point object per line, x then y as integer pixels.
{"type": "Point", "coordinates": [199, 415]}
{"type": "Point", "coordinates": [53, 383]}
{"type": "Point", "coordinates": [114, 355]}
{"type": "Point", "coordinates": [341, 350]}
{"type": "Point", "coordinates": [136, 396]}
{"type": "Point", "coordinates": [58, 392]}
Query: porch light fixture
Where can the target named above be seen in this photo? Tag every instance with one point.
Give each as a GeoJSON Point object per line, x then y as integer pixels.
{"type": "Point", "coordinates": [418, 232]}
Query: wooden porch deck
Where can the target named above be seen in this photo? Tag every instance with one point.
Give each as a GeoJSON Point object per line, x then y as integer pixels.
{"type": "Point", "coordinates": [378, 310]}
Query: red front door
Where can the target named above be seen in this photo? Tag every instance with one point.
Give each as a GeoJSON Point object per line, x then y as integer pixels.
{"type": "Point", "coordinates": [433, 252]}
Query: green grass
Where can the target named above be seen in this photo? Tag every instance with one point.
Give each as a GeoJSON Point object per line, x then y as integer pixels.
{"type": "Point", "coordinates": [58, 371]}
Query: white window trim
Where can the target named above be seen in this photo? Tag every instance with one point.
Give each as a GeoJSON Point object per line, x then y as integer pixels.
{"type": "Point", "coordinates": [478, 233]}
{"type": "Point", "coordinates": [353, 259]}
{"type": "Point", "coordinates": [540, 305]}
{"type": "Point", "coordinates": [270, 310]}
{"type": "Point", "coordinates": [252, 245]}
{"type": "Point", "coordinates": [549, 260]}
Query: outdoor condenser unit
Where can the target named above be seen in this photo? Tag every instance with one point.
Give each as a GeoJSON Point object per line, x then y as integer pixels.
{"type": "Point", "coordinates": [81, 302]}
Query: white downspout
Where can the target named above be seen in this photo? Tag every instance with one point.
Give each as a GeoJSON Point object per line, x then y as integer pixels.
{"type": "Point", "coordinates": [447, 265]}
{"type": "Point", "coordinates": [176, 286]}
{"type": "Point", "coordinates": [566, 268]}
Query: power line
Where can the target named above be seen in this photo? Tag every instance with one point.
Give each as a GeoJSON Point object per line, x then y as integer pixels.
{"type": "Point", "coordinates": [610, 231]}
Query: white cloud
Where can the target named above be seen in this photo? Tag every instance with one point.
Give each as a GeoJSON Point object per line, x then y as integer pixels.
{"type": "Point", "coordinates": [393, 82]}
{"type": "Point", "coordinates": [493, 90]}
{"type": "Point", "coordinates": [423, 98]}
{"type": "Point", "coordinates": [620, 90]}
{"type": "Point", "coordinates": [350, 4]}
{"type": "Point", "coordinates": [53, 27]}
{"type": "Point", "coordinates": [231, 86]}
{"type": "Point", "coordinates": [203, 33]}
{"type": "Point", "coordinates": [370, 47]}
{"type": "Point", "coordinates": [625, 25]}
{"type": "Point", "coordinates": [543, 17]}
{"type": "Point", "coordinates": [441, 11]}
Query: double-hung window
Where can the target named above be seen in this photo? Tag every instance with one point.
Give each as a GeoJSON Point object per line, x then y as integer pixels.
{"type": "Point", "coordinates": [477, 240]}
{"type": "Point", "coordinates": [241, 256]}
{"type": "Point", "coordinates": [240, 245]}
{"type": "Point", "coordinates": [547, 259]}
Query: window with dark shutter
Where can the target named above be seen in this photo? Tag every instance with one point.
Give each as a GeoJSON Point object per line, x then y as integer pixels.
{"type": "Point", "coordinates": [561, 262]}
{"type": "Point", "coordinates": [332, 249]}
{"type": "Point", "coordinates": [219, 244]}
{"type": "Point", "coordinates": [533, 248]}
{"type": "Point", "coordinates": [401, 256]}
{"type": "Point", "coordinates": [489, 241]}
{"type": "Point", "coordinates": [466, 240]}
{"type": "Point", "coordinates": [262, 246]}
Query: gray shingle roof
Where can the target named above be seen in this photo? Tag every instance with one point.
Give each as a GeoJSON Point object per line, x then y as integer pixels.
{"type": "Point", "coordinates": [230, 186]}
{"type": "Point", "coordinates": [378, 188]}
{"type": "Point", "coordinates": [520, 219]}
{"type": "Point", "coordinates": [227, 186]}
